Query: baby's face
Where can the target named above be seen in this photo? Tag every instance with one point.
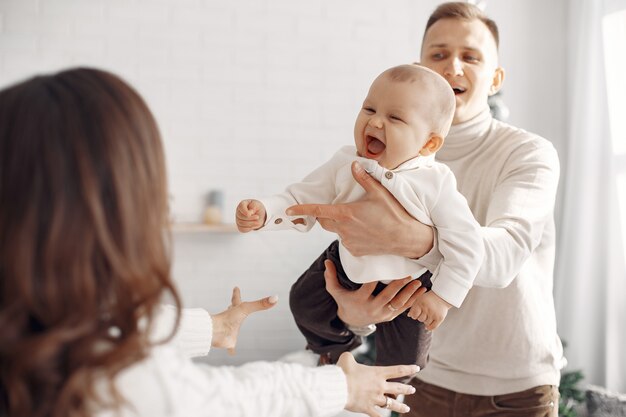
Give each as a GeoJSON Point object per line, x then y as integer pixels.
{"type": "Point", "coordinates": [390, 127]}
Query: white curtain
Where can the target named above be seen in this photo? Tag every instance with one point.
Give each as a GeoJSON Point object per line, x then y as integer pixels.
{"type": "Point", "coordinates": [590, 283]}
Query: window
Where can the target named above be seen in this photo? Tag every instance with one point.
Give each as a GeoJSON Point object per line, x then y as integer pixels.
{"type": "Point", "coordinates": [614, 33]}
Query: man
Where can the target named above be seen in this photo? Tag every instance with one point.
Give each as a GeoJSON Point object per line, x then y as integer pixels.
{"type": "Point", "coordinates": [499, 353]}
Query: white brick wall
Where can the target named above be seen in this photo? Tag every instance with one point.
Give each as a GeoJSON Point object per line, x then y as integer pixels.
{"type": "Point", "coordinates": [251, 95]}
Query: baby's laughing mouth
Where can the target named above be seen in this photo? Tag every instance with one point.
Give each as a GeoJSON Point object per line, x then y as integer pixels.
{"type": "Point", "coordinates": [374, 146]}
{"type": "Point", "coordinates": [458, 90]}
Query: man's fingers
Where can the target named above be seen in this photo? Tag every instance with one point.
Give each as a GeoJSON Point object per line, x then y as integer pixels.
{"type": "Point", "coordinates": [368, 288]}
{"type": "Point", "coordinates": [393, 292]}
{"type": "Point", "coordinates": [407, 295]}
{"type": "Point", "coordinates": [364, 179]}
{"type": "Point", "coordinates": [420, 291]}
{"type": "Point", "coordinates": [328, 224]}
{"type": "Point", "coordinates": [326, 211]}
{"type": "Point", "coordinates": [330, 275]}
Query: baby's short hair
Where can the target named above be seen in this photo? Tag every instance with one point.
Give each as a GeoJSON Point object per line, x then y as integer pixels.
{"type": "Point", "coordinates": [437, 90]}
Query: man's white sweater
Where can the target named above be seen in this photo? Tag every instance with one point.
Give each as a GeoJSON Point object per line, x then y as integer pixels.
{"type": "Point", "coordinates": [503, 339]}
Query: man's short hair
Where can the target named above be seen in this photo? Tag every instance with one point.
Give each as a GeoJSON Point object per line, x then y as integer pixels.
{"type": "Point", "coordinates": [465, 11]}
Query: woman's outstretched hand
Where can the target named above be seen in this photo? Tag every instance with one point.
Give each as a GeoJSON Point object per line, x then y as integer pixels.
{"type": "Point", "coordinates": [368, 386]}
{"type": "Point", "coordinates": [226, 324]}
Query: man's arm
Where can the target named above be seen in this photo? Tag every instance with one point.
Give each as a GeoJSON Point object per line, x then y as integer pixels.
{"type": "Point", "coordinates": [519, 209]}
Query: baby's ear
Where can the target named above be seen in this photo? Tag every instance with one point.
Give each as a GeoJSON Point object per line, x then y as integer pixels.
{"type": "Point", "coordinates": [433, 144]}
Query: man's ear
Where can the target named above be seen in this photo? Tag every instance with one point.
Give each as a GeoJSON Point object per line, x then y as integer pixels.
{"type": "Point", "coordinates": [434, 143]}
{"type": "Point", "coordinates": [498, 80]}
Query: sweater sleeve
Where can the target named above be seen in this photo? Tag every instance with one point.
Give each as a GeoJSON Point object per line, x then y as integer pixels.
{"type": "Point", "coordinates": [168, 383]}
{"type": "Point", "coordinates": [518, 210]}
{"type": "Point", "coordinates": [194, 333]}
{"type": "Point", "coordinates": [520, 207]}
{"type": "Point", "coordinates": [278, 389]}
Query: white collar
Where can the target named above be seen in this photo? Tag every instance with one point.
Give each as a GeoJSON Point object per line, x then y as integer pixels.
{"type": "Point", "coordinates": [372, 166]}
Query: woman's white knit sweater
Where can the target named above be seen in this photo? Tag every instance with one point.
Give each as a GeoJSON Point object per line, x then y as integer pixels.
{"type": "Point", "coordinates": [168, 383]}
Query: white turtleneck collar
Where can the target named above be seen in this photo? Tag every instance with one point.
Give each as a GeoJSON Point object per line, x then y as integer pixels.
{"type": "Point", "coordinates": [463, 134]}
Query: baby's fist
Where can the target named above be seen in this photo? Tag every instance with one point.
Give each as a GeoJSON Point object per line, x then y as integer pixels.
{"type": "Point", "coordinates": [250, 215]}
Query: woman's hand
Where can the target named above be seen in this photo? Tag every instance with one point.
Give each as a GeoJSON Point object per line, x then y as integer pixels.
{"type": "Point", "coordinates": [360, 308]}
{"type": "Point", "coordinates": [377, 224]}
{"type": "Point", "coordinates": [367, 385]}
{"type": "Point", "coordinates": [227, 323]}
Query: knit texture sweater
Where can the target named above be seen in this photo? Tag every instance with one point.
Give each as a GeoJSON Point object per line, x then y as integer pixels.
{"type": "Point", "coordinates": [503, 339]}
{"type": "Point", "coordinates": [168, 383]}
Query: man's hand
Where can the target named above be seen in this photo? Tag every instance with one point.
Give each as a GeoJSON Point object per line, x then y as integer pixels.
{"type": "Point", "coordinates": [360, 308]}
{"type": "Point", "coordinates": [227, 323]}
{"type": "Point", "coordinates": [375, 225]}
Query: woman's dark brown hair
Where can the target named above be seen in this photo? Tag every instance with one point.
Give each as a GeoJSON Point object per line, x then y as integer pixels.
{"type": "Point", "coordinates": [84, 258]}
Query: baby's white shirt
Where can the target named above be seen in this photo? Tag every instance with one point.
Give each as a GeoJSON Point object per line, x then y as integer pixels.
{"type": "Point", "coordinates": [425, 188]}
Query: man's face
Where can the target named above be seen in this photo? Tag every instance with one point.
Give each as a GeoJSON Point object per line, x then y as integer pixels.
{"type": "Point", "coordinates": [464, 52]}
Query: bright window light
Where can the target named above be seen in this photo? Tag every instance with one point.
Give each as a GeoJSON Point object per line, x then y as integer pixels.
{"type": "Point", "coordinates": [614, 31]}
{"type": "Point", "coordinates": [614, 28]}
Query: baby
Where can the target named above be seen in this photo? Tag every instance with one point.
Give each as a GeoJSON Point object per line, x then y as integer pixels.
{"type": "Point", "coordinates": [403, 121]}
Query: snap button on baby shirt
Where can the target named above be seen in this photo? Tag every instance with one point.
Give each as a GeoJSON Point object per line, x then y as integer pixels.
{"type": "Point", "coordinates": [389, 175]}
{"type": "Point", "coordinates": [278, 221]}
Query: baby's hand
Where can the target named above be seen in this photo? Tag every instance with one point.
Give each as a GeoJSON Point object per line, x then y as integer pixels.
{"type": "Point", "coordinates": [250, 215]}
{"type": "Point", "coordinates": [430, 309]}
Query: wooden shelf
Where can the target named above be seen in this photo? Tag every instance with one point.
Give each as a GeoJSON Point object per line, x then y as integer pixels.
{"type": "Point", "coordinates": [204, 228]}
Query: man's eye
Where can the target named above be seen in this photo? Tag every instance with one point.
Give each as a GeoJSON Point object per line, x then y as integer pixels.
{"type": "Point", "coordinates": [471, 58]}
{"type": "Point", "coordinates": [369, 110]}
{"type": "Point", "coordinates": [437, 56]}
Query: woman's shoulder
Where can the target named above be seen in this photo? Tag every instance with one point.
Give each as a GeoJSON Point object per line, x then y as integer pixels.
{"type": "Point", "coordinates": [145, 384]}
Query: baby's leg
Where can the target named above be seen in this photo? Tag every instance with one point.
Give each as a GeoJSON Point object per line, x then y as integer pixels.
{"type": "Point", "coordinates": [403, 340]}
{"type": "Point", "coordinates": [315, 310]}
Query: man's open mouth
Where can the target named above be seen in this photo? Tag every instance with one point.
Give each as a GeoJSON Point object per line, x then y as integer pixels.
{"type": "Point", "coordinates": [374, 146]}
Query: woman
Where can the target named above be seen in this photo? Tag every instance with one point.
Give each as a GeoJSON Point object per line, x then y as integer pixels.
{"type": "Point", "coordinates": [84, 267]}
